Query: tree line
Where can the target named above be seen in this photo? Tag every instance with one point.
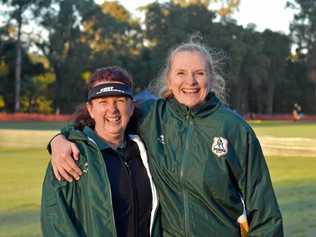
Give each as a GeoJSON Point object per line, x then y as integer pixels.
{"type": "Point", "coordinates": [45, 69]}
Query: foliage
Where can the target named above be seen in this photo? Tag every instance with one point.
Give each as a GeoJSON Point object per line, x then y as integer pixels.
{"type": "Point", "coordinates": [262, 76]}
{"type": "Point", "coordinates": [2, 104]}
{"type": "Point", "coordinates": [7, 72]}
{"type": "Point", "coordinates": [303, 32]}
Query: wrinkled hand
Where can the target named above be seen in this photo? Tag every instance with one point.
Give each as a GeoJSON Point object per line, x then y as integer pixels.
{"type": "Point", "coordinates": [64, 153]}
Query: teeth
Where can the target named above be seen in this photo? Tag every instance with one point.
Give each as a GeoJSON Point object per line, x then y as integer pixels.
{"type": "Point", "coordinates": [190, 90]}
{"type": "Point", "coordinates": [113, 119]}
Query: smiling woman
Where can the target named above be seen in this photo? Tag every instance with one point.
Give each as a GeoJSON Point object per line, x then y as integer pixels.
{"type": "Point", "coordinates": [191, 72]}
{"type": "Point", "coordinates": [188, 78]}
{"type": "Point", "coordinates": [115, 195]}
{"type": "Point", "coordinates": [206, 161]}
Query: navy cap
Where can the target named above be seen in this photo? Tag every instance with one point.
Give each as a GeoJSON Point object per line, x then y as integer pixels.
{"type": "Point", "coordinates": [110, 89]}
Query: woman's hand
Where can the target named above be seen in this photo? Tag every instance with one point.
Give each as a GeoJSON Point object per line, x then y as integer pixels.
{"type": "Point", "coordinates": [64, 153]}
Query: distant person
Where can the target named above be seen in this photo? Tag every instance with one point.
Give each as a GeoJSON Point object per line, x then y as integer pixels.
{"type": "Point", "coordinates": [297, 112]}
{"type": "Point", "coordinates": [206, 161]}
{"type": "Point", "coordinates": [252, 116]}
{"type": "Point", "coordinates": [115, 196]}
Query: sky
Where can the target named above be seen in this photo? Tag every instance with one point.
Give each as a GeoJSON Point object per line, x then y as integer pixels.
{"type": "Point", "coordinates": [265, 14]}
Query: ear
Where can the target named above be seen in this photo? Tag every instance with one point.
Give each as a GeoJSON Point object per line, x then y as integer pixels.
{"type": "Point", "coordinates": [89, 108]}
{"type": "Point", "coordinates": [132, 108]}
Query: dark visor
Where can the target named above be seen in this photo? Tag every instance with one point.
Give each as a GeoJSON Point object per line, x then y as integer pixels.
{"type": "Point", "coordinates": [110, 89]}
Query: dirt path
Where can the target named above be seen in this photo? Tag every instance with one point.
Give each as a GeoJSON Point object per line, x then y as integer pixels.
{"type": "Point", "coordinates": [285, 146]}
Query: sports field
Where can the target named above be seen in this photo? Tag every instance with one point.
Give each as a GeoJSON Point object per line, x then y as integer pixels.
{"type": "Point", "coordinates": [23, 162]}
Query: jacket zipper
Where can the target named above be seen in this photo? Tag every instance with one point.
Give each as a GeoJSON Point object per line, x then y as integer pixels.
{"type": "Point", "coordinates": [100, 156]}
{"type": "Point", "coordinates": [132, 187]}
{"type": "Point", "coordinates": [187, 230]}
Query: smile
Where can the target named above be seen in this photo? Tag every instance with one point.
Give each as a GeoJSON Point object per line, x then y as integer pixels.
{"type": "Point", "coordinates": [190, 90]}
{"type": "Point", "coordinates": [113, 119]}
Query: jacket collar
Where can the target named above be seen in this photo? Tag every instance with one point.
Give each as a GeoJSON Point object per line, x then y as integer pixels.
{"type": "Point", "coordinates": [77, 135]}
{"type": "Point", "coordinates": [98, 140]}
{"type": "Point", "coordinates": [207, 107]}
{"type": "Point", "coordinates": [102, 145]}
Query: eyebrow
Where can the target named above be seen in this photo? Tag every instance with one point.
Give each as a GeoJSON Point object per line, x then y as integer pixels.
{"type": "Point", "coordinates": [182, 69]}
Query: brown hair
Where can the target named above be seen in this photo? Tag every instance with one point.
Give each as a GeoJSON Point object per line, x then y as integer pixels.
{"type": "Point", "coordinates": [110, 74]}
{"type": "Point", "coordinates": [106, 74]}
{"type": "Point", "coordinates": [217, 81]}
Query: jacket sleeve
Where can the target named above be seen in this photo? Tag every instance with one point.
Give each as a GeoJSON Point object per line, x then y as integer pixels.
{"type": "Point", "coordinates": [57, 214]}
{"type": "Point", "coordinates": [263, 213]}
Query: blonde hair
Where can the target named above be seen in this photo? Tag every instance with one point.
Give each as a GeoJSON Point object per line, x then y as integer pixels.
{"type": "Point", "coordinates": [217, 81]}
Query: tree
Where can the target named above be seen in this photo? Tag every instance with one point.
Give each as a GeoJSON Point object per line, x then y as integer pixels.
{"type": "Point", "coordinates": [169, 24]}
{"type": "Point", "coordinates": [29, 68]}
{"type": "Point", "coordinates": [67, 53]}
{"type": "Point", "coordinates": [227, 6]}
{"type": "Point", "coordinates": [83, 36]}
{"type": "Point", "coordinates": [303, 32]}
{"type": "Point", "coordinates": [19, 11]}
{"type": "Point", "coordinates": [277, 54]}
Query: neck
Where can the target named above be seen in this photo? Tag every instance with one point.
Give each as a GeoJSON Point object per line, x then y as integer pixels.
{"type": "Point", "coordinates": [113, 140]}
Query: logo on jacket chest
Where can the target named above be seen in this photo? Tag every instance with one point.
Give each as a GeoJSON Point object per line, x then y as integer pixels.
{"type": "Point", "coordinates": [219, 146]}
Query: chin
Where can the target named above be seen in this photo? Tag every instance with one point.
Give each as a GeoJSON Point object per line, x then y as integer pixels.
{"type": "Point", "coordinates": [191, 103]}
{"type": "Point", "coordinates": [116, 131]}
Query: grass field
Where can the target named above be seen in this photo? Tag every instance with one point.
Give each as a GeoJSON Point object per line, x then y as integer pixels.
{"type": "Point", "coordinates": [24, 159]}
{"type": "Point", "coordinates": [285, 129]}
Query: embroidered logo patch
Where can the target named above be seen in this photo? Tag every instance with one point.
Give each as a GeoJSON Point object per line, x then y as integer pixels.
{"type": "Point", "coordinates": [219, 146]}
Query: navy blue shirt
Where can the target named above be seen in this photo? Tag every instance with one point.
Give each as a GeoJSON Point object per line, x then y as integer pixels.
{"type": "Point", "coordinates": [130, 186]}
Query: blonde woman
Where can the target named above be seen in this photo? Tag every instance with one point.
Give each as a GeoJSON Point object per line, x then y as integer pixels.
{"type": "Point", "coordinates": [206, 161]}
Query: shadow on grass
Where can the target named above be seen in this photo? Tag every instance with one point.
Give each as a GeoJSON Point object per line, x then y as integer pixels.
{"type": "Point", "coordinates": [298, 206]}
{"type": "Point", "coordinates": [20, 223]}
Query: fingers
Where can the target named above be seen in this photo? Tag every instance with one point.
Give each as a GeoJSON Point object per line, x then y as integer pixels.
{"type": "Point", "coordinates": [72, 168]}
{"type": "Point", "coordinates": [60, 168]}
{"type": "Point", "coordinates": [65, 175]}
{"type": "Point", "coordinates": [75, 151]}
{"type": "Point", "coordinates": [56, 173]}
{"type": "Point", "coordinates": [63, 153]}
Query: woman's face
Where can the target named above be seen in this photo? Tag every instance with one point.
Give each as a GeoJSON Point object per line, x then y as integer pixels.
{"type": "Point", "coordinates": [188, 78]}
{"type": "Point", "coordinates": [111, 114]}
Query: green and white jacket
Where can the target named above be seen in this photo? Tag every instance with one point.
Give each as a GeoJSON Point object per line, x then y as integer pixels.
{"type": "Point", "coordinates": [209, 171]}
{"type": "Point", "coordinates": [84, 208]}
{"type": "Point", "coordinates": [205, 162]}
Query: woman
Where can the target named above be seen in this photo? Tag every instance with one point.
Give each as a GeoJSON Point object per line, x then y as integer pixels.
{"type": "Point", "coordinates": [205, 160]}
{"type": "Point", "coordinates": [115, 194]}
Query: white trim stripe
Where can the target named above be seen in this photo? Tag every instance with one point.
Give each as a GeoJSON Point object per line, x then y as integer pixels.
{"type": "Point", "coordinates": [144, 157]}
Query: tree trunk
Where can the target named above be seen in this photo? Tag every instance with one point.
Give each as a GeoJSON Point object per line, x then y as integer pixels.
{"type": "Point", "coordinates": [18, 64]}
{"type": "Point", "coordinates": [270, 97]}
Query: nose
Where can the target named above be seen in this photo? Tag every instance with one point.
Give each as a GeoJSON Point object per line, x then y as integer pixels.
{"type": "Point", "coordinates": [112, 107]}
{"type": "Point", "coordinates": [191, 79]}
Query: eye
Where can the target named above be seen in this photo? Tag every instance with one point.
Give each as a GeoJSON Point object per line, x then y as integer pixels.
{"type": "Point", "coordinates": [180, 73]}
{"type": "Point", "coordinates": [200, 73]}
{"type": "Point", "coordinates": [121, 100]}
{"type": "Point", "coordinates": [103, 102]}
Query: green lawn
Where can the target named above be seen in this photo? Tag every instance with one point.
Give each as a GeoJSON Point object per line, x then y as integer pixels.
{"type": "Point", "coordinates": [22, 173]}
{"type": "Point", "coordinates": [32, 125]}
{"type": "Point", "coordinates": [285, 128]}
{"type": "Point", "coordinates": [22, 169]}
{"type": "Point", "coordinates": [294, 180]}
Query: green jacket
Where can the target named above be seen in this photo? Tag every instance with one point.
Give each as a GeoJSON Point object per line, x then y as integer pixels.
{"type": "Point", "coordinates": [84, 208]}
{"type": "Point", "coordinates": [204, 162]}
